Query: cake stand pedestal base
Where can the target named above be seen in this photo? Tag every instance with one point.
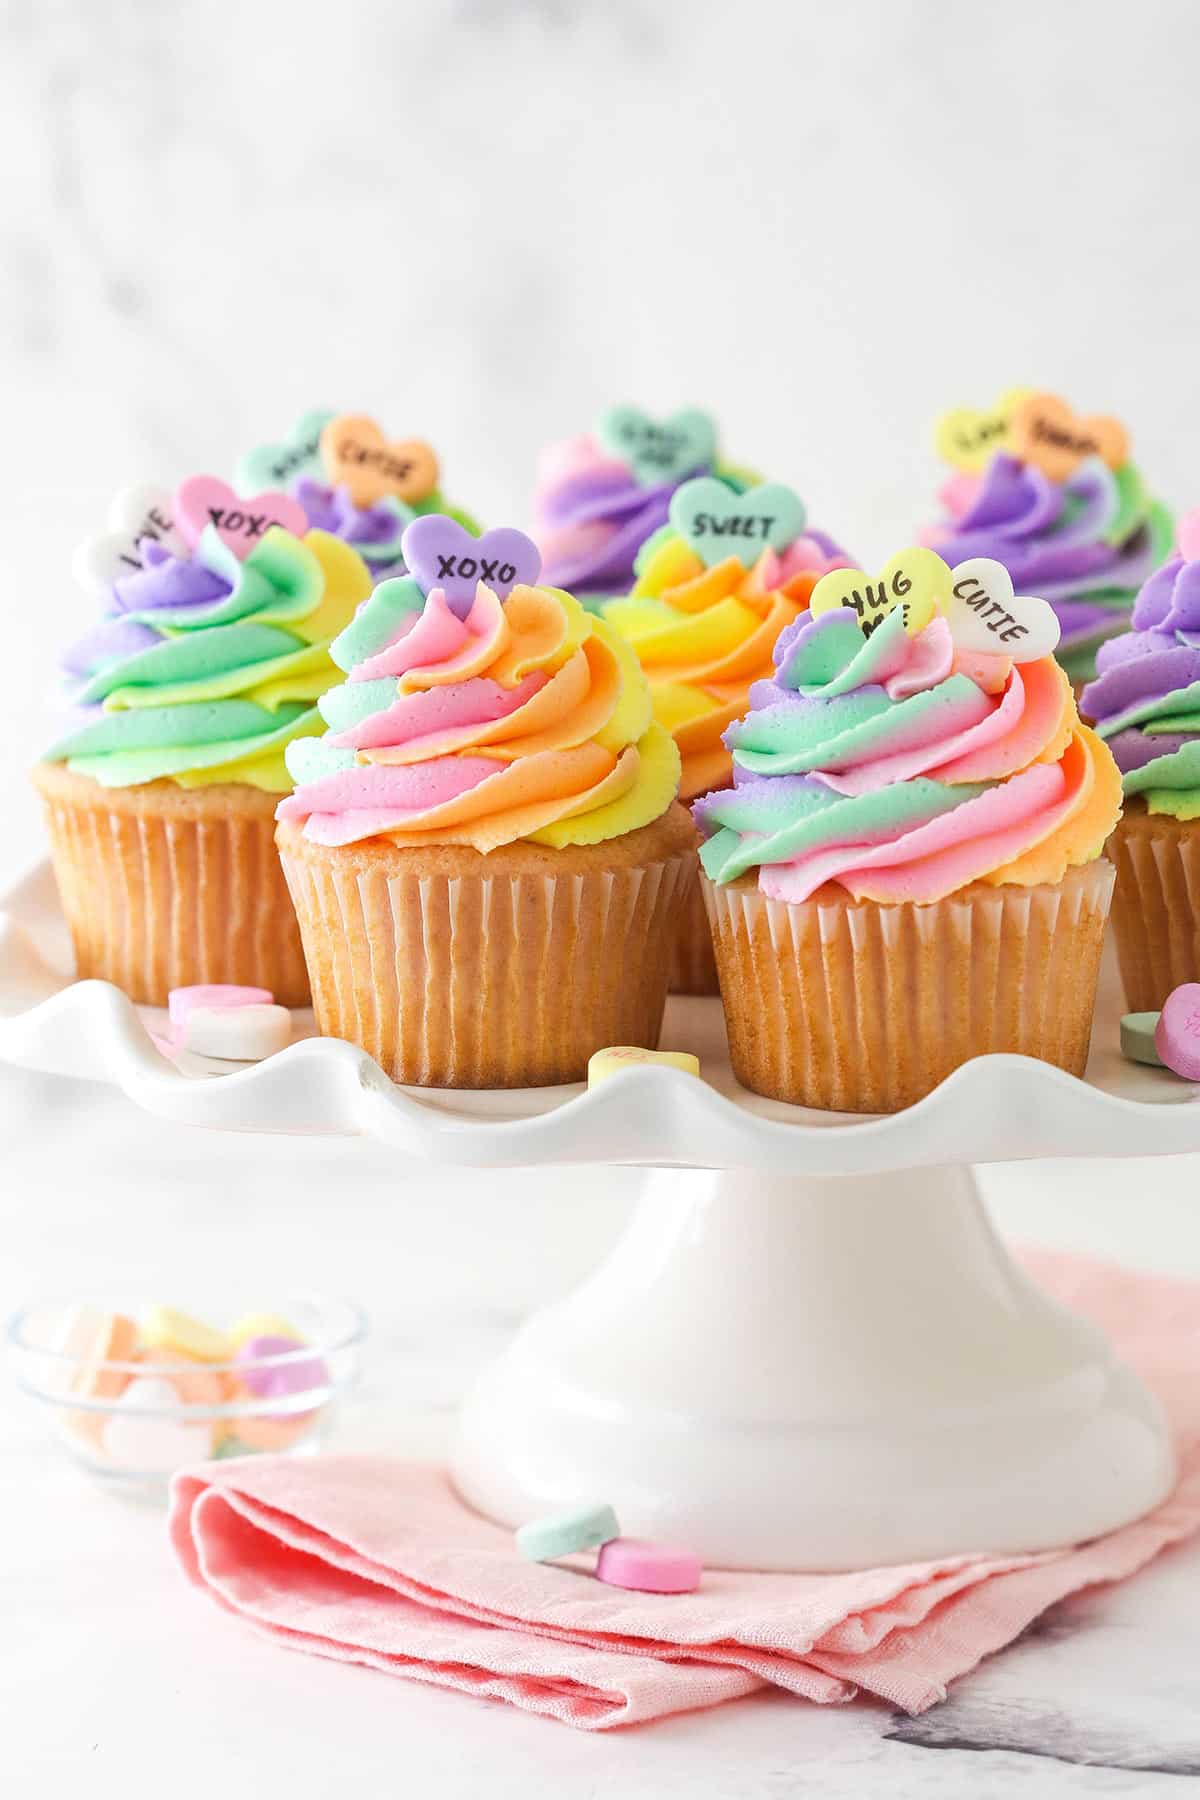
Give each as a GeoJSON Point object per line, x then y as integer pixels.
{"type": "Point", "coordinates": [815, 1373]}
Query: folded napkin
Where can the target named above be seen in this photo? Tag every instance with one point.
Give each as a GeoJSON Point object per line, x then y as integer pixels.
{"type": "Point", "coordinates": [370, 1560]}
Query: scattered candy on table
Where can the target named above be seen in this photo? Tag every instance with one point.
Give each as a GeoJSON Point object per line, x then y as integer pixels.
{"type": "Point", "coordinates": [234, 1024]}
{"type": "Point", "coordinates": [648, 1568]}
{"type": "Point", "coordinates": [1137, 1038]}
{"type": "Point", "coordinates": [565, 1533]}
{"type": "Point", "coordinates": [603, 1063]}
{"type": "Point", "coordinates": [1177, 1034]}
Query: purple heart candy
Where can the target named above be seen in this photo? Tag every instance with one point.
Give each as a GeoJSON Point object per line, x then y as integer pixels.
{"type": "Point", "coordinates": [438, 553]}
{"type": "Point", "coordinates": [273, 1380]}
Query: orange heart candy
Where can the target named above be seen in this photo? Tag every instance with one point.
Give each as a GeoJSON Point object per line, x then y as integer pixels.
{"type": "Point", "coordinates": [359, 458]}
{"type": "Point", "coordinates": [1045, 432]}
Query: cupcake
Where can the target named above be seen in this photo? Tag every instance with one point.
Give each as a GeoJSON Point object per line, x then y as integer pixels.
{"type": "Point", "coordinates": [352, 483]}
{"type": "Point", "coordinates": [485, 850]}
{"type": "Point", "coordinates": [1145, 702]}
{"type": "Point", "coordinates": [599, 497]}
{"type": "Point", "coordinates": [1056, 499]}
{"type": "Point", "coordinates": [714, 589]}
{"type": "Point", "coordinates": [160, 795]}
{"type": "Point", "coordinates": [907, 870]}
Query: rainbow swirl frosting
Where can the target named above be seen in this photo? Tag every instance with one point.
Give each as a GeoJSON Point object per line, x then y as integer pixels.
{"type": "Point", "coordinates": [705, 634]}
{"type": "Point", "coordinates": [206, 667]}
{"type": "Point", "coordinates": [901, 764]}
{"type": "Point", "coordinates": [1145, 699]}
{"type": "Point", "coordinates": [506, 714]}
{"type": "Point", "coordinates": [600, 496]}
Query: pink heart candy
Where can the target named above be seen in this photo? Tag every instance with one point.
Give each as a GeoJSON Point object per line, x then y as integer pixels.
{"type": "Point", "coordinates": [1177, 1034]}
{"type": "Point", "coordinates": [241, 521]}
{"type": "Point", "coordinates": [648, 1568]}
{"type": "Point", "coordinates": [209, 994]}
{"type": "Point", "coordinates": [1189, 535]}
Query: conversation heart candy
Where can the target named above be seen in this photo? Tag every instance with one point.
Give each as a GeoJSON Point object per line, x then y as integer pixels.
{"type": "Point", "coordinates": [166, 1328]}
{"type": "Point", "coordinates": [137, 515]}
{"type": "Point", "coordinates": [277, 465]}
{"type": "Point", "coordinates": [1047, 433]}
{"type": "Point", "coordinates": [438, 553]}
{"type": "Point", "coordinates": [658, 450]}
{"type": "Point", "coordinates": [1177, 1034]}
{"type": "Point", "coordinates": [1137, 1038]}
{"type": "Point", "coordinates": [985, 615]}
{"type": "Point", "coordinates": [95, 1338]}
{"type": "Point", "coordinates": [204, 500]}
{"type": "Point", "coordinates": [648, 1568]}
{"type": "Point", "coordinates": [916, 579]}
{"type": "Point", "coordinates": [358, 457]}
{"type": "Point", "coordinates": [260, 1369]}
{"type": "Point", "coordinates": [211, 994]}
{"type": "Point", "coordinates": [717, 523]}
{"type": "Point", "coordinates": [1188, 535]}
{"type": "Point", "coordinates": [566, 1533]}
{"type": "Point", "coordinates": [143, 1432]}
{"type": "Point", "coordinates": [604, 1063]}
{"type": "Point", "coordinates": [236, 1033]}
{"type": "Point", "coordinates": [968, 439]}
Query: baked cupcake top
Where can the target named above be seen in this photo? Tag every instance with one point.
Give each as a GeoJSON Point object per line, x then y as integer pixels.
{"type": "Point", "coordinates": [352, 482]}
{"type": "Point", "coordinates": [1058, 501]}
{"type": "Point", "coordinates": [214, 642]}
{"type": "Point", "coordinates": [481, 709]}
{"type": "Point", "coordinates": [600, 496]}
{"type": "Point", "coordinates": [918, 735]}
{"type": "Point", "coordinates": [1145, 699]}
{"type": "Point", "coordinates": [715, 587]}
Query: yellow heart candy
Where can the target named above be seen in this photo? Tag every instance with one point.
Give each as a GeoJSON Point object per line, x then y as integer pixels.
{"type": "Point", "coordinates": [916, 579]}
{"type": "Point", "coordinates": [968, 439]}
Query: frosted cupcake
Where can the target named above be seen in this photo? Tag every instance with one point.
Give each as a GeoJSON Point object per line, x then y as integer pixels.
{"type": "Point", "coordinates": [907, 871]}
{"type": "Point", "coordinates": [208, 661]}
{"type": "Point", "coordinates": [714, 590]}
{"type": "Point", "coordinates": [1146, 705]}
{"type": "Point", "coordinates": [485, 850]}
{"type": "Point", "coordinates": [1058, 501]}
{"type": "Point", "coordinates": [352, 482]}
{"type": "Point", "coordinates": [599, 497]}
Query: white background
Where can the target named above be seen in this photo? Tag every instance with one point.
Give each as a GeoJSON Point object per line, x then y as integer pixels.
{"type": "Point", "coordinates": [483, 222]}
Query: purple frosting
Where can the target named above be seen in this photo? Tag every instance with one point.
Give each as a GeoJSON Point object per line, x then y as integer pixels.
{"type": "Point", "coordinates": [166, 584]}
{"type": "Point", "coordinates": [366, 527]}
{"type": "Point", "coordinates": [1141, 671]}
{"type": "Point", "coordinates": [613, 517]}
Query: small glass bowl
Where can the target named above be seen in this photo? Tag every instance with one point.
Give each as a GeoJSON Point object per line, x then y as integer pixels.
{"type": "Point", "coordinates": [132, 1424]}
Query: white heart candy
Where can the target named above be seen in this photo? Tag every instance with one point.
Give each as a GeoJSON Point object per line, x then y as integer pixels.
{"type": "Point", "coordinates": [136, 513]}
{"type": "Point", "coordinates": [984, 615]}
{"type": "Point", "coordinates": [140, 1437]}
{"type": "Point", "coordinates": [237, 1033]}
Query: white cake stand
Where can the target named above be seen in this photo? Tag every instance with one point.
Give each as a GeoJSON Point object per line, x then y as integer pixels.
{"type": "Point", "coordinates": [809, 1350]}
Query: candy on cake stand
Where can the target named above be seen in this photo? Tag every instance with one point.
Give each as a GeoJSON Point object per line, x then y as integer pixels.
{"type": "Point", "coordinates": [808, 1350]}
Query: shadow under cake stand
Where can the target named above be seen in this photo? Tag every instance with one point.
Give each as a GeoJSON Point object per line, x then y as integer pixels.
{"type": "Point", "coordinates": [809, 1349]}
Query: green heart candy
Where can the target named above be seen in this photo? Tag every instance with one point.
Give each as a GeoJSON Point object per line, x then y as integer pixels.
{"type": "Point", "coordinates": [274, 466]}
{"type": "Point", "coordinates": [658, 450]}
{"type": "Point", "coordinates": [718, 523]}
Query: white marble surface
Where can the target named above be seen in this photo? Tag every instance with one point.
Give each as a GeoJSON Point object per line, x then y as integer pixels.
{"type": "Point", "coordinates": [484, 221]}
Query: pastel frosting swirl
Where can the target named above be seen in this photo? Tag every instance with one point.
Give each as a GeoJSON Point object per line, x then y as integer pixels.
{"type": "Point", "coordinates": [1145, 700]}
{"type": "Point", "coordinates": [704, 636]}
{"type": "Point", "coordinates": [528, 719]}
{"type": "Point", "coordinates": [592, 515]}
{"type": "Point", "coordinates": [205, 668]}
{"type": "Point", "coordinates": [902, 770]}
{"type": "Point", "coordinates": [1084, 544]}
{"type": "Point", "coordinates": [374, 531]}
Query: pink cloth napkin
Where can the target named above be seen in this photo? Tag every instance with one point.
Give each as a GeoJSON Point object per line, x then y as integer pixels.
{"type": "Point", "coordinates": [374, 1561]}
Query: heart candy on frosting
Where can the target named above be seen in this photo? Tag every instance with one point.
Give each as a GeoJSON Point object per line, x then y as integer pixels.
{"type": "Point", "coordinates": [1188, 535]}
{"type": "Point", "coordinates": [360, 459]}
{"type": "Point", "coordinates": [275, 465]}
{"type": "Point", "coordinates": [916, 579]}
{"type": "Point", "coordinates": [658, 450]}
{"type": "Point", "coordinates": [1048, 434]}
{"type": "Point", "coordinates": [241, 523]}
{"type": "Point", "coordinates": [439, 553]}
{"type": "Point", "coordinates": [985, 615]}
{"type": "Point", "coordinates": [968, 439]}
{"type": "Point", "coordinates": [717, 523]}
{"type": "Point", "coordinates": [137, 513]}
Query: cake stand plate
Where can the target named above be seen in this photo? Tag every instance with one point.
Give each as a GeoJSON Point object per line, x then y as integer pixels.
{"type": "Point", "coordinates": [809, 1350]}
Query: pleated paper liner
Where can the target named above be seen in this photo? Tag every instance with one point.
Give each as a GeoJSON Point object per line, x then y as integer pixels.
{"type": "Point", "coordinates": [454, 969]}
{"type": "Point", "coordinates": [1156, 904]}
{"type": "Point", "coordinates": [693, 967]}
{"type": "Point", "coordinates": [164, 886]}
{"type": "Point", "coordinates": [855, 1007]}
